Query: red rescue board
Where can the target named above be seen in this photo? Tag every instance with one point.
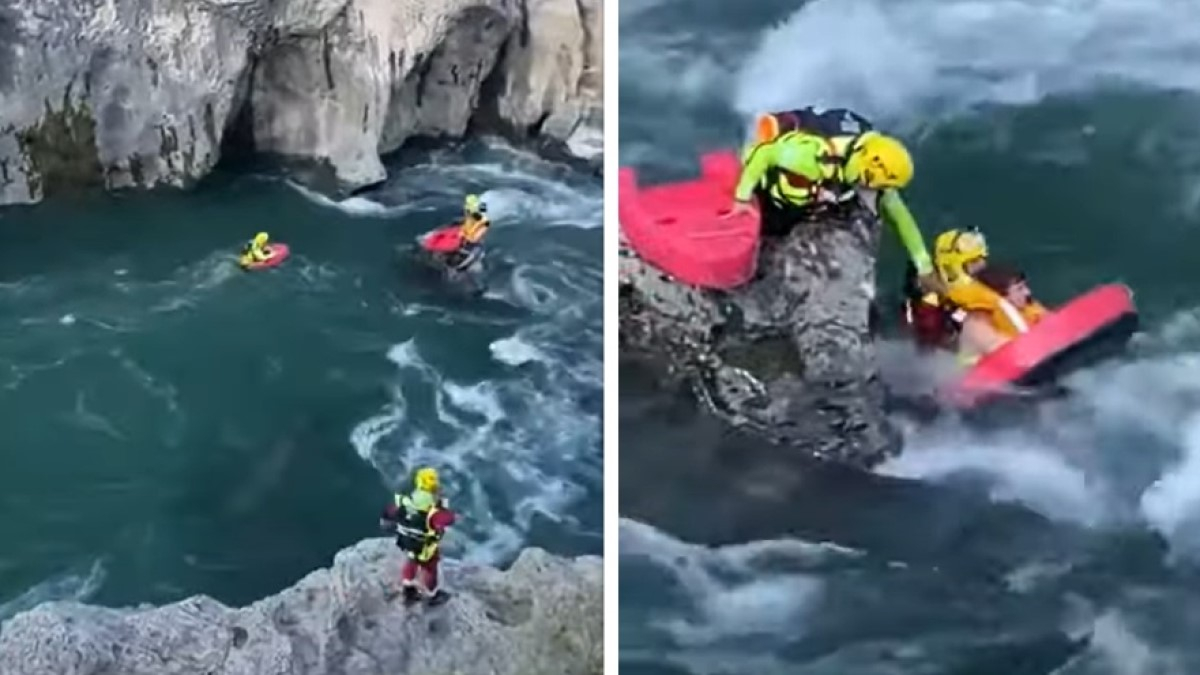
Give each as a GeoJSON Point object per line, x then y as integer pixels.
{"type": "Point", "coordinates": [442, 240]}
{"type": "Point", "coordinates": [278, 253]}
{"type": "Point", "coordinates": [1072, 325]}
{"type": "Point", "coordinates": [684, 228]}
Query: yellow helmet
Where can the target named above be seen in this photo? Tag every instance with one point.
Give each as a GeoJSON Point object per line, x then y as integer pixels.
{"type": "Point", "coordinates": [473, 204]}
{"type": "Point", "coordinates": [953, 250]}
{"type": "Point", "coordinates": [260, 238]}
{"type": "Point", "coordinates": [427, 479]}
{"type": "Point", "coordinates": [880, 162]}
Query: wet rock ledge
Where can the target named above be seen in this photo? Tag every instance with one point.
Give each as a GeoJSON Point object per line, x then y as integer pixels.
{"type": "Point", "coordinates": [542, 616]}
{"type": "Point", "coordinates": [789, 355]}
{"type": "Point", "coordinates": [137, 93]}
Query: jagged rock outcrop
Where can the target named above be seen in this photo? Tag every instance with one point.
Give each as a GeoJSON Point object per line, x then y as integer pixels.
{"type": "Point", "coordinates": [789, 354]}
{"type": "Point", "coordinates": [542, 616]}
{"type": "Point", "coordinates": [554, 80]}
{"type": "Point", "coordinates": [121, 93]}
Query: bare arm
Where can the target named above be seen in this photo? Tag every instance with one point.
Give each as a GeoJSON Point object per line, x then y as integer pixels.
{"type": "Point", "coordinates": [979, 334]}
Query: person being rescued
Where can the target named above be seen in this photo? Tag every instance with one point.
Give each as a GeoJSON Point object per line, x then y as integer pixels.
{"type": "Point", "coordinates": [471, 232]}
{"type": "Point", "coordinates": [257, 249]}
{"type": "Point", "coordinates": [1005, 311]}
{"type": "Point", "coordinates": [935, 318]}
{"type": "Point", "coordinates": [802, 162]}
{"type": "Point", "coordinates": [420, 520]}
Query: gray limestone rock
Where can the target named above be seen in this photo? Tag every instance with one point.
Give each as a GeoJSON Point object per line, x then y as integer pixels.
{"type": "Point", "coordinates": [380, 73]}
{"type": "Point", "coordinates": [137, 93]}
{"type": "Point", "coordinates": [115, 93]}
{"type": "Point", "coordinates": [788, 355]}
{"type": "Point", "coordinates": [542, 616]}
{"type": "Point", "coordinates": [552, 84]}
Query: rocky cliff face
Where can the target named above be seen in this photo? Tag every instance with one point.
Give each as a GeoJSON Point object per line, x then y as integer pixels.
{"type": "Point", "coordinates": [789, 355]}
{"type": "Point", "coordinates": [543, 616]}
{"type": "Point", "coordinates": [123, 93]}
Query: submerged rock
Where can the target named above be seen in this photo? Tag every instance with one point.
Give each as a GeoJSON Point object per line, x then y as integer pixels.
{"type": "Point", "coordinates": [544, 615]}
{"type": "Point", "coordinates": [788, 355]}
{"type": "Point", "coordinates": [134, 93]}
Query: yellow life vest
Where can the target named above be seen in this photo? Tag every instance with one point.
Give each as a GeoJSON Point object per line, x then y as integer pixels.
{"type": "Point", "coordinates": [1009, 321]}
{"type": "Point", "coordinates": [1012, 322]}
{"type": "Point", "coordinates": [252, 253]}
{"type": "Point", "coordinates": [415, 529]}
{"type": "Point", "coordinates": [793, 188]}
{"type": "Point", "coordinates": [473, 228]}
{"type": "Point", "coordinates": [973, 296]}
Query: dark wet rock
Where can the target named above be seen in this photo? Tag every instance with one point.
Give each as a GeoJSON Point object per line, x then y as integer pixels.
{"type": "Point", "coordinates": [789, 355]}
{"type": "Point", "coordinates": [541, 617]}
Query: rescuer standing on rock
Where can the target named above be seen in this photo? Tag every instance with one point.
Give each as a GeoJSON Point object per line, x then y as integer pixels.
{"type": "Point", "coordinates": [420, 520]}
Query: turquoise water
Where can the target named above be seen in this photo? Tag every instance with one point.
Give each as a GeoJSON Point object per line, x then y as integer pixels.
{"type": "Point", "coordinates": [1069, 133]}
{"type": "Point", "coordinates": [174, 425]}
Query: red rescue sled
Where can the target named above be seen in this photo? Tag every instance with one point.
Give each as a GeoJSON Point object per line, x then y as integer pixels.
{"type": "Point", "coordinates": [442, 240]}
{"type": "Point", "coordinates": [279, 253]}
{"type": "Point", "coordinates": [684, 228]}
{"type": "Point", "coordinates": [1081, 332]}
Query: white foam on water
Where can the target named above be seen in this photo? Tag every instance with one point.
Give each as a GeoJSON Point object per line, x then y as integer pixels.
{"type": "Point", "coordinates": [1122, 650]}
{"type": "Point", "coordinates": [478, 399]}
{"type": "Point", "coordinates": [515, 186]}
{"type": "Point", "coordinates": [1172, 503]}
{"type": "Point", "coordinates": [559, 207]}
{"type": "Point", "coordinates": [1118, 647]}
{"type": "Point", "coordinates": [514, 351]}
{"type": "Point", "coordinates": [1057, 466]}
{"type": "Point", "coordinates": [77, 585]}
{"type": "Point", "coordinates": [368, 433]}
{"type": "Point", "coordinates": [513, 448]}
{"type": "Point", "coordinates": [932, 57]}
{"type": "Point", "coordinates": [94, 297]}
{"type": "Point", "coordinates": [354, 206]}
{"type": "Point", "coordinates": [405, 355]}
{"type": "Point", "coordinates": [1018, 471]}
{"type": "Point", "coordinates": [902, 63]}
{"type": "Point", "coordinates": [523, 442]}
{"type": "Point", "coordinates": [532, 293]}
{"type": "Point", "coordinates": [681, 65]}
{"type": "Point", "coordinates": [731, 592]}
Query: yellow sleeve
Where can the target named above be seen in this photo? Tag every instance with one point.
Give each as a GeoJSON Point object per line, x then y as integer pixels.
{"type": "Point", "coordinates": [972, 296]}
{"type": "Point", "coordinates": [896, 211]}
{"type": "Point", "coordinates": [761, 159]}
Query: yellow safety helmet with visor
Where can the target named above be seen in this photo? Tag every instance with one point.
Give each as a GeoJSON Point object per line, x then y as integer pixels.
{"type": "Point", "coordinates": [954, 250]}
